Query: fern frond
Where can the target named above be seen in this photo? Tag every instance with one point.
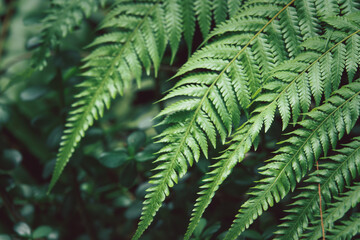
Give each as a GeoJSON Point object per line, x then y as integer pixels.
{"type": "Point", "coordinates": [203, 13]}
{"type": "Point", "coordinates": [120, 62]}
{"type": "Point", "coordinates": [294, 160]}
{"type": "Point", "coordinates": [173, 21]}
{"type": "Point", "coordinates": [139, 35]}
{"type": "Point", "coordinates": [62, 18]}
{"type": "Point", "coordinates": [336, 211]}
{"type": "Point", "coordinates": [347, 229]}
{"type": "Point", "coordinates": [333, 176]}
{"type": "Point", "coordinates": [299, 90]}
{"type": "Point", "coordinates": [216, 110]}
{"type": "Point", "coordinates": [189, 22]}
{"type": "Point", "coordinates": [289, 98]}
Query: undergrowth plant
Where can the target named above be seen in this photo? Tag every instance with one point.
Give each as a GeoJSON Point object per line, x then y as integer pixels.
{"type": "Point", "coordinates": [298, 60]}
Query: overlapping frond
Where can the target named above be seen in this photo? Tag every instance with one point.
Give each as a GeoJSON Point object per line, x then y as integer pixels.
{"type": "Point", "coordinates": [348, 228]}
{"type": "Point", "coordinates": [270, 57]}
{"type": "Point", "coordinates": [336, 211]}
{"type": "Point", "coordinates": [62, 18]}
{"type": "Point", "coordinates": [332, 177]}
{"type": "Point", "coordinates": [300, 152]}
{"type": "Point", "coordinates": [118, 59]}
{"type": "Point", "coordinates": [288, 95]}
{"type": "Point", "coordinates": [212, 99]}
{"type": "Point", "coordinates": [138, 34]}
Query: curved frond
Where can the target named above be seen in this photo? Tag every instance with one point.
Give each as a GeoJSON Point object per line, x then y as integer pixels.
{"type": "Point", "coordinates": [62, 18]}
{"type": "Point", "coordinates": [122, 56]}
{"type": "Point", "coordinates": [347, 229]}
{"type": "Point", "coordinates": [291, 93]}
{"type": "Point", "coordinates": [336, 211]}
{"type": "Point", "coordinates": [333, 177]}
{"type": "Point", "coordinates": [212, 105]}
{"type": "Point", "coordinates": [138, 36]}
{"type": "Point", "coordinates": [297, 157]}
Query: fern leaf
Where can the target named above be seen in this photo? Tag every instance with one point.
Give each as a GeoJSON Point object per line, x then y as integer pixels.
{"type": "Point", "coordinates": [189, 22]}
{"type": "Point", "coordinates": [220, 10]}
{"type": "Point", "coordinates": [63, 17]}
{"type": "Point", "coordinates": [327, 8]}
{"type": "Point", "coordinates": [352, 59]}
{"type": "Point", "coordinates": [203, 13]}
{"type": "Point", "coordinates": [348, 229]}
{"type": "Point", "coordinates": [300, 152]}
{"type": "Point", "coordinates": [348, 6]}
{"type": "Point", "coordinates": [173, 19]}
{"type": "Point", "coordinates": [233, 6]}
{"type": "Point", "coordinates": [337, 210]}
{"type": "Point", "coordinates": [332, 177]}
{"type": "Point", "coordinates": [214, 179]}
{"type": "Point", "coordinates": [216, 110]}
{"type": "Point", "coordinates": [309, 23]}
{"type": "Point", "coordinates": [112, 76]}
{"type": "Point", "coordinates": [291, 31]}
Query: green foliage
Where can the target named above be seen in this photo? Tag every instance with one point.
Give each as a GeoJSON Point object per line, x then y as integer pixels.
{"type": "Point", "coordinates": [267, 71]}
{"type": "Point", "coordinates": [62, 18]}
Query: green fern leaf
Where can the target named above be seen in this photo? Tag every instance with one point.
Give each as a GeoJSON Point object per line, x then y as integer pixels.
{"type": "Point", "coordinates": [115, 74]}
{"type": "Point", "coordinates": [189, 22]}
{"type": "Point", "coordinates": [203, 13]}
{"type": "Point", "coordinates": [63, 17]}
{"type": "Point", "coordinates": [291, 30]}
{"type": "Point", "coordinates": [173, 19]}
{"type": "Point", "coordinates": [217, 109]}
{"type": "Point", "coordinates": [348, 229]}
{"type": "Point", "coordinates": [233, 6]}
{"type": "Point", "coordinates": [352, 59]}
{"type": "Point", "coordinates": [333, 176]}
{"type": "Point", "coordinates": [309, 23]}
{"type": "Point", "coordinates": [301, 152]}
{"type": "Point", "coordinates": [220, 10]}
{"type": "Point", "coordinates": [337, 210]}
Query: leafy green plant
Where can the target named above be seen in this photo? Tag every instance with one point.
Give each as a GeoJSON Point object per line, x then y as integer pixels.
{"type": "Point", "coordinates": [294, 60]}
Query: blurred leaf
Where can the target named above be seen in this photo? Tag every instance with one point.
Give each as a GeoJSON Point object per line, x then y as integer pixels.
{"type": "Point", "coordinates": [27, 211]}
{"type": "Point", "coordinates": [148, 153]}
{"type": "Point", "coordinates": [128, 174]}
{"type": "Point", "coordinates": [135, 141]}
{"type": "Point", "coordinates": [122, 201]}
{"type": "Point", "coordinates": [11, 158]}
{"type": "Point", "coordinates": [4, 115]}
{"type": "Point", "coordinates": [22, 229]}
{"type": "Point", "coordinates": [73, 71]}
{"type": "Point", "coordinates": [200, 227]}
{"type": "Point", "coordinates": [54, 137]}
{"type": "Point", "coordinates": [113, 159]}
{"type": "Point", "coordinates": [6, 181]}
{"type": "Point", "coordinates": [87, 187]}
{"type": "Point", "coordinates": [134, 211]}
{"type": "Point", "coordinates": [32, 93]}
{"type": "Point", "coordinates": [42, 231]}
{"type": "Point", "coordinates": [203, 165]}
{"type": "Point", "coordinates": [48, 168]}
{"type": "Point", "coordinates": [141, 190]}
{"type": "Point", "coordinates": [33, 42]}
{"type": "Point", "coordinates": [4, 237]}
{"type": "Point", "coordinates": [211, 230]}
{"type": "Point", "coordinates": [251, 234]}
